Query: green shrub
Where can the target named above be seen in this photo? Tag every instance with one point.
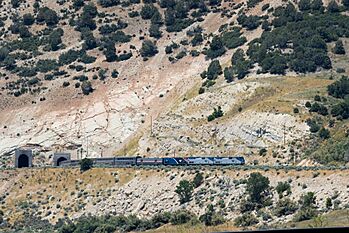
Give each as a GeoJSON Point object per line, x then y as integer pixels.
{"type": "Point", "coordinates": [110, 51]}
{"type": "Point", "coordinates": [198, 180]}
{"type": "Point", "coordinates": [257, 187]}
{"type": "Point", "coordinates": [181, 217]}
{"type": "Point", "coordinates": [341, 110]}
{"type": "Point", "coordinates": [217, 113]}
{"type": "Point", "coordinates": [229, 74]}
{"type": "Point", "coordinates": [283, 187]}
{"type": "Point", "coordinates": [304, 5]}
{"type": "Point", "coordinates": [211, 218]}
{"type": "Point", "coordinates": [253, 3]}
{"type": "Point", "coordinates": [265, 7]}
{"type": "Point", "coordinates": [86, 19]}
{"type": "Point", "coordinates": [114, 74]}
{"type": "Point", "coordinates": [240, 65]}
{"type": "Point", "coordinates": [133, 14]}
{"type": "Point", "coordinates": [69, 57]}
{"type": "Point", "coordinates": [107, 29]}
{"type": "Point", "coordinates": [86, 164]}
{"type": "Point", "coordinates": [317, 6]}
{"type": "Point", "coordinates": [245, 220]}
{"type": "Point", "coordinates": [319, 108]}
{"type": "Point", "coordinates": [232, 39]}
{"type": "Point", "coordinates": [308, 200]}
{"type": "Point", "coordinates": [340, 70]}
{"type": "Point", "coordinates": [157, 19]}
{"type": "Point", "coordinates": [213, 70]}
{"type": "Point", "coordinates": [66, 83]}
{"type": "Point", "coordinates": [4, 52]}
{"type": "Point", "coordinates": [249, 22]}
{"type": "Point", "coordinates": [89, 39]}
{"type": "Point", "coordinates": [154, 31]}
{"type": "Point", "coordinates": [160, 219]}
{"type": "Point", "coordinates": [26, 71]}
{"type": "Point", "coordinates": [305, 214]}
{"type": "Point", "coordinates": [184, 190]}
{"type": "Point", "coordinates": [285, 207]}
{"type": "Point", "coordinates": [47, 65]}
{"type": "Point", "coordinates": [124, 56]}
{"type": "Point", "coordinates": [314, 127]}
{"type": "Point", "coordinates": [168, 49]}
{"type": "Point", "coordinates": [197, 39]}
{"type": "Point", "coordinates": [216, 48]}
{"type": "Point", "coordinates": [121, 223]}
{"type": "Point", "coordinates": [108, 3]}
{"type": "Point", "coordinates": [328, 203]}
{"type": "Point", "coordinates": [55, 39]}
{"type": "Point", "coordinates": [86, 87]}
{"type": "Point", "coordinates": [28, 19]}
{"type": "Point", "coordinates": [87, 59]}
{"type": "Point", "coordinates": [263, 152]}
{"type": "Point", "coordinates": [332, 6]}
{"type": "Point", "coordinates": [33, 81]}
{"type": "Point", "coordinates": [339, 48]}
{"type": "Point", "coordinates": [48, 16]}
{"type": "Point", "coordinates": [77, 4]}
{"type": "Point", "coordinates": [148, 49]}
{"type": "Point", "coordinates": [180, 55]}
{"type": "Point", "coordinates": [324, 133]}
{"type": "Point", "coordinates": [24, 32]}
{"type": "Point", "coordinates": [15, 3]}
{"type": "Point", "coordinates": [194, 53]}
{"type": "Point", "coordinates": [148, 10]}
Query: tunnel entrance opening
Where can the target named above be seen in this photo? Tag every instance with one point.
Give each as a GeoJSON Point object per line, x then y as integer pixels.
{"type": "Point", "coordinates": [23, 161]}
{"type": "Point", "coordinates": [61, 159]}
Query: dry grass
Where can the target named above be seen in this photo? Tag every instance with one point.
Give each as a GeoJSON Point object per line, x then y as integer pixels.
{"type": "Point", "coordinates": [194, 229]}
{"type": "Point", "coordinates": [60, 183]}
{"type": "Point", "coordinates": [289, 90]}
{"type": "Point", "coordinates": [191, 93]}
{"type": "Point", "coordinates": [336, 218]}
{"type": "Point", "coordinates": [130, 148]}
{"type": "Point", "coordinates": [281, 96]}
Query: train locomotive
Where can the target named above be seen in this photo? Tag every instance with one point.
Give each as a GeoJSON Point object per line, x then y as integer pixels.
{"type": "Point", "coordinates": [168, 161]}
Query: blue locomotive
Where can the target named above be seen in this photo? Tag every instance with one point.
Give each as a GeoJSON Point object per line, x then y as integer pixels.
{"type": "Point", "coordinates": [204, 161]}
{"type": "Point", "coordinates": [170, 161]}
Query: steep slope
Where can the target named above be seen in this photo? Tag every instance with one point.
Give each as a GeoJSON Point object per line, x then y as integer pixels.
{"type": "Point", "coordinates": [54, 194]}
{"type": "Point", "coordinates": [105, 78]}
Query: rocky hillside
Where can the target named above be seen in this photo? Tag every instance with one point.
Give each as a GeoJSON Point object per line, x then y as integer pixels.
{"type": "Point", "coordinates": [258, 78]}
{"type": "Point", "coordinates": [116, 77]}
{"type": "Point", "coordinates": [30, 197]}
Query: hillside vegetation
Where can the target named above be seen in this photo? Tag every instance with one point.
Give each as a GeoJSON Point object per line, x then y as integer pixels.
{"type": "Point", "coordinates": [267, 80]}
{"type": "Point", "coordinates": [138, 199]}
{"type": "Point", "coordinates": [88, 63]}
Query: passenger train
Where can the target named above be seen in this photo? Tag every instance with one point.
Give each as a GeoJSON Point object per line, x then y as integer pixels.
{"type": "Point", "coordinates": [168, 161]}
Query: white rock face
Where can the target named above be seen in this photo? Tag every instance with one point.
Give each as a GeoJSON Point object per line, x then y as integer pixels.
{"type": "Point", "coordinates": [185, 130]}
{"type": "Point", "coordinates": [106, 120]}
{"type": "Point", "coordinates": [98, 125]}
{"type": "Point", "coordinates": [261, 129]}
